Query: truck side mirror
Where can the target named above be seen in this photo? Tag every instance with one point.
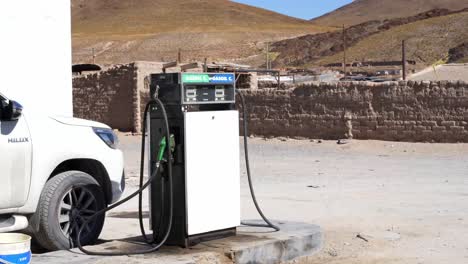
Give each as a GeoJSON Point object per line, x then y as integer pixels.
{"type": "Point", "coordinates": [12, 111]}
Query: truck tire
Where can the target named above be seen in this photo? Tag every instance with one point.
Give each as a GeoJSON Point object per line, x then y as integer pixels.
{"type": "Point", "coordinates": [67, 200]}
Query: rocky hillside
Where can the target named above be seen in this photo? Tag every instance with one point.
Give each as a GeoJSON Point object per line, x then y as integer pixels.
{"type": "Point", "coordinates": [371, 40]}
{"type": "Point", "coordinates": [122, 31]}
{"type": "Point", "coordinates": [360, 11]}
{"type": "Point", "coordinates": [459, 54]}
{"type": "Point", "coordinates": [428, 42]}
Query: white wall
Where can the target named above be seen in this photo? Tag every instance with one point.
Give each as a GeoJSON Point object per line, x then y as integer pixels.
{"type": "Point", "coordinates": [35, 54]}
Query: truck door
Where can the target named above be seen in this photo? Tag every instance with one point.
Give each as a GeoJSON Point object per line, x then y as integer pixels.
{"type": "Point", "coordinates": [15, 161]}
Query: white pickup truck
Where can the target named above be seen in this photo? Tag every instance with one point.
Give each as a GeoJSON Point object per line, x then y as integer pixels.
{"type": "Point", "coordinates": [55, 172]}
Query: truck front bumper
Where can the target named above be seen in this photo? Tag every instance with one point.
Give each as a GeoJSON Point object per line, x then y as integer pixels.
{"type": "Point", "coordinates": [118, 189]}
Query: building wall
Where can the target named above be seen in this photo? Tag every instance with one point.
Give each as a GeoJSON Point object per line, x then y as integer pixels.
{"type": "Point", "coordinates": [107, 97]}
{"type": "Point", "coordinates": [401, 111]}
{"type": "Point", "coordinates": [116, 96]}
{"type": "Point", "coordinates": [141, 94]}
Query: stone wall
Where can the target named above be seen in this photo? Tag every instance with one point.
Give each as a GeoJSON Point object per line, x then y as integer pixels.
{"type": "Point", "coordinates": [116, 96]}
{"type": "Point", "coordinates": [107, 97]}
{"type": "Point", "coordinates": [397, 111]}
{"type": "Point", "coordinates": [403, 111]}
{"type": "Point", "coordinates": [143, 70]}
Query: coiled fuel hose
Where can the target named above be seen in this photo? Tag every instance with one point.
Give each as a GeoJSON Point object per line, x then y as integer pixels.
{"type": "Point", "coordinates": [164, 147]}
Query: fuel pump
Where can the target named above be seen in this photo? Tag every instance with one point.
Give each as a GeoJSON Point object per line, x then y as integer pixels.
{"type": "Point", "coordinates": [193, 129]}
{"type": "Point", "coordinates": [206, 176]}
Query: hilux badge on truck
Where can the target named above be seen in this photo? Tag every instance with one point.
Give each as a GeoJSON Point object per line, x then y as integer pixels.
{"type": "Point", "coordinates": [18, 140]}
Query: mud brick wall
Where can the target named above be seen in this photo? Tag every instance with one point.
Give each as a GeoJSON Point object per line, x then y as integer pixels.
{"type": "Point", "coordinates": [396, 111]}
{"type": "Point", "coordinates": [401, 111]}
{"type": "Point", "coordinates": [116, 96]}
{"type": "Point", "coordinates": [107, 97]}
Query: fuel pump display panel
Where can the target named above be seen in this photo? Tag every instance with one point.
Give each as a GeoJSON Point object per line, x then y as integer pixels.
{"type": "Point", "coordinates": [208, 88]}
{"type": "Point", "coordinates": [205, 94]}
{"type": "Point", "coordinates": [194, 88]}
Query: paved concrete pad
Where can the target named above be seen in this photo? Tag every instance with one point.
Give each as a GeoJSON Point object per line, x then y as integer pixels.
{"type": "Point", "coordinates": [251, 245]}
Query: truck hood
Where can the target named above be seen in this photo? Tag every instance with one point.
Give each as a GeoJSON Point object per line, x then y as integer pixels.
{"type": "Point", "coordinates": [78, 122]}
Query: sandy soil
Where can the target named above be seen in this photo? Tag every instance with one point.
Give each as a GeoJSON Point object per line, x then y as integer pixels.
{"type": "Point", "coordinates": [408, 202]}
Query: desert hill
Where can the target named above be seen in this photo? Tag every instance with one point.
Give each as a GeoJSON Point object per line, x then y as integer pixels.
{"type": "Point", "coordinates": [430, 36]}
{"type": "Point", "coordinates": [122, 31]}
{"type": "Point", "coordinates": [429, 42]}
{"type": "Point", "coordinates": [361, 11]}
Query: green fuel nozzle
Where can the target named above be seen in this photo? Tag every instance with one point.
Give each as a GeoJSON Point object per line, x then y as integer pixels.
{"type": "Point", "coordinates": [162, 149]}
{"type": "Point", "coordinates": [163, 145]}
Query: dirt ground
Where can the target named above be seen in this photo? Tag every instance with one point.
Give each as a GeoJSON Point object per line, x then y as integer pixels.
{"type": "Point", "coordinates": [378, 202]}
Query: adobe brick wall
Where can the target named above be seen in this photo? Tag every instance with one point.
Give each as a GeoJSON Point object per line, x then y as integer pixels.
{"type": "Point", "coordinates": [396, 111]}
{"type": "Point", "coordinates": [107, 97]}
{"type": "Point", "coordinates": [116, 96]}
{"type": "Point", "coordinates": [141, 95]}
{"type": "Point", "coordinates": [403, 111]}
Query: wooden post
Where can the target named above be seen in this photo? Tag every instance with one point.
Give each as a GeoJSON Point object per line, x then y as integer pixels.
{"type": "Point", "coordinates": [344, 50]}
{"type": "Point", "coordinates": [403, 62]}
{"type": "Point", "coordinates": [268, 56]}
{"type": "Point", "coordinates": [179, 56]}
{"type": "Point", "coordinates": [279, 80]}
{"type": "Point", "coordinates": [205, 65]}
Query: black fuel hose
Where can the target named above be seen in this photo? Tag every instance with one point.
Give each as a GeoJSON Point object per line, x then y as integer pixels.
{"type": "Point", "coordinates": [142, 169]}
{"type": "Point", "coordinates": [269, 224]}
{"type": "Point", "coordinates": [138, 192]}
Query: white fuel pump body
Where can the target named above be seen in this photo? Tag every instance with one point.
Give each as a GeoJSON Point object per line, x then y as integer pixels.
{"type": "Point", "coordinates": [212, 171]}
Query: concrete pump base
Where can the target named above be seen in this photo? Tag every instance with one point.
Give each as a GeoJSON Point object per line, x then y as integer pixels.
{"type": "Point", "coordinates": [251, 245]}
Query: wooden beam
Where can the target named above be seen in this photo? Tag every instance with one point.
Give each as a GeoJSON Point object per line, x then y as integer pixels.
{"type": "Point", "coordinates": [189, 66]}
{"type": "Point", "coordinates": [169, 65]}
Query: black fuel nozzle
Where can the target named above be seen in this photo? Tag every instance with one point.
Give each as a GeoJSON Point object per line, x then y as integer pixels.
{"type": "Point", "coordinates": [172, 143]}
{"type": "Point", "coordinates": [154, 91]}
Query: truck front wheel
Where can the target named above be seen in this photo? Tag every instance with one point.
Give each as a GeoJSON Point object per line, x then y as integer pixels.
{"type": "Point", "coordinates": [67, 201]}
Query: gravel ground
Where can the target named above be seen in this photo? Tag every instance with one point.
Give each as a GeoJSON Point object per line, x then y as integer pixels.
{"type": "Point", "coordinates": [378, 202]}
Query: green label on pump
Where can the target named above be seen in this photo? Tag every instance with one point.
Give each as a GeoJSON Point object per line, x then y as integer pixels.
{"type": "Point", "coordinates": [195, 78]}
{"type": "Point", "coordinates": [214, 78]}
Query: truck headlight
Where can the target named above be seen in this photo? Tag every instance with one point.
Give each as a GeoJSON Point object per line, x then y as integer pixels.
{"type": "Point", "coordinates": [108, 136]}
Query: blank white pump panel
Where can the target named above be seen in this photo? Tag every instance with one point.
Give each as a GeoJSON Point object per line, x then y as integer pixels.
{"type": "Point", "coordinates": [212, 171]}
{"type": "Point", "coordinates": [35, 54]}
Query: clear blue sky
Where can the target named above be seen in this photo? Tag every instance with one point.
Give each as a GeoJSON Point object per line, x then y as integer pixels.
{"type": "Point", "coordinates": [306, 9]}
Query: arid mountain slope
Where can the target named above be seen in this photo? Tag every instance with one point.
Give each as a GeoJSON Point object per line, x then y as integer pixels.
{"type": "Point", "coordinates": [428, 42]}
{"type": "Point", "coordinates": [308, 49]}
{"type": "Point", "coordinates": [361, 11]}
{"type": "Point", "coordinates": [121, 31]}
{"type": "Point", "coordinates": [328, 47]}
